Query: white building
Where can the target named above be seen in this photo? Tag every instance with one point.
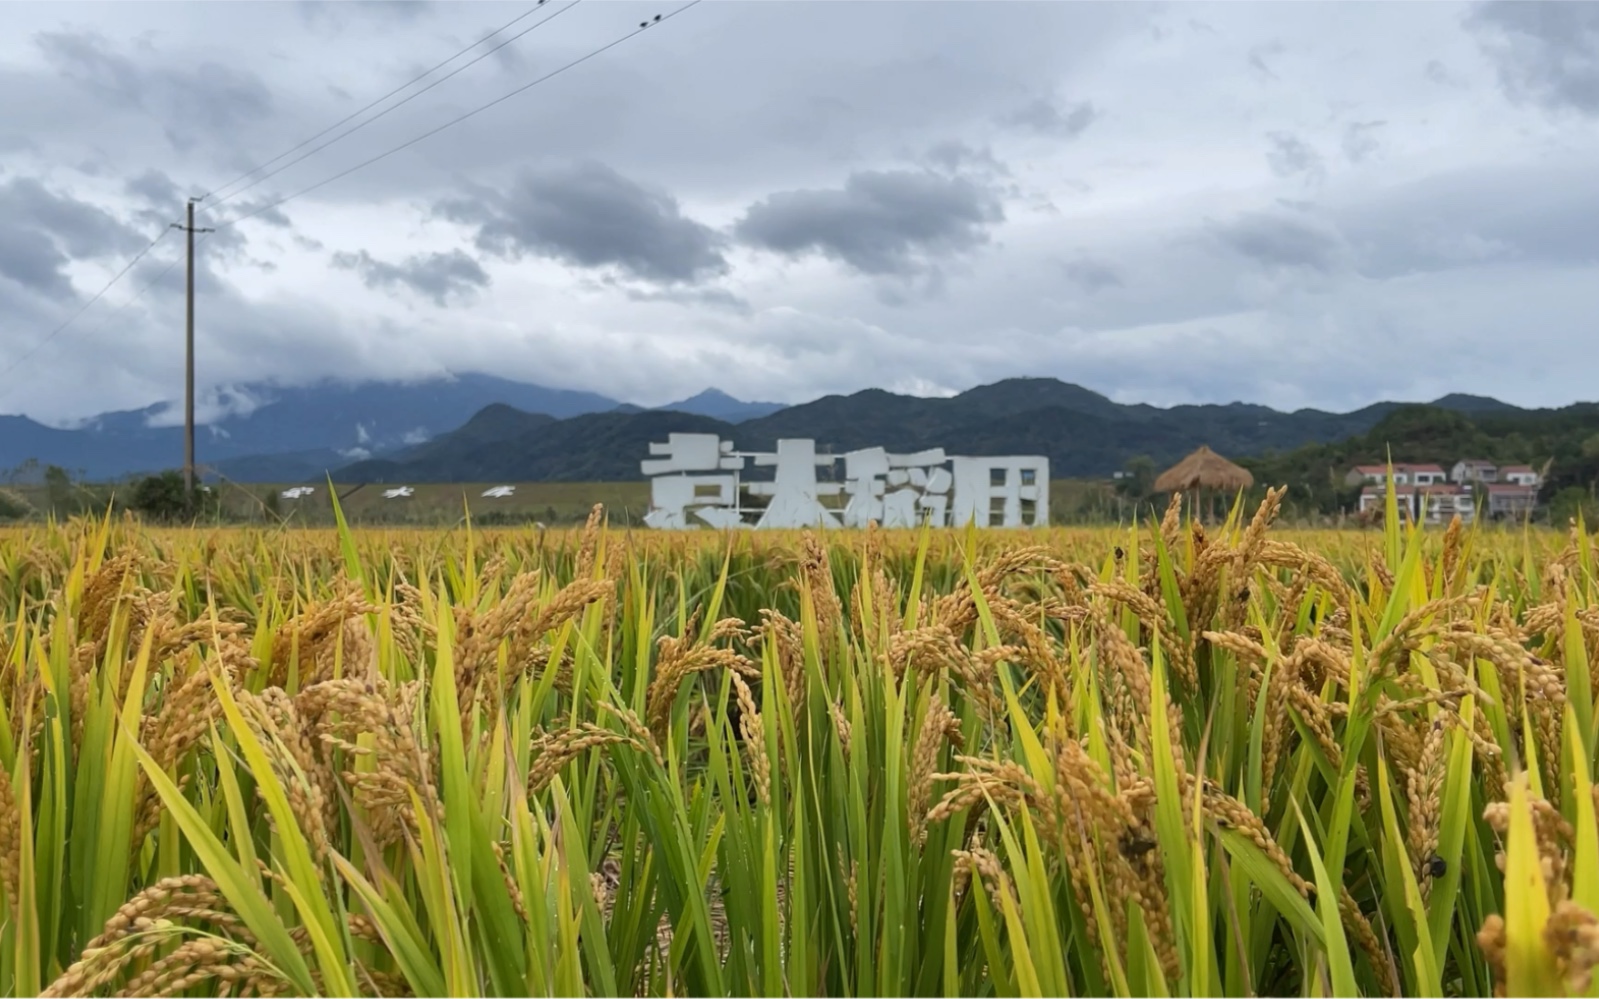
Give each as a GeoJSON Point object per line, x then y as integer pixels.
{"type": "Point", "coordinates": [1520, 475]}
{"type": "Point", "coordinates": [1404, 475]}
{"type": "Point", "coordinates": [1473, 470]}
{"type": "Point", "coordinates": [1430, 504]}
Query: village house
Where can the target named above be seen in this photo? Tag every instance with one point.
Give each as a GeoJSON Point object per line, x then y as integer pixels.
{"type": "Point", "coordinates": [1471, 470]}
{"type": "Point", "coordinates": [1404, 475]}
{"type": "Point", "coordinates": [1430, 504]}
{"type": "Point", "coordinates": [1519, 475]}
{"type": "Point", "coordinates": [1509, 500]}
{"type": "Point", "coordinates": [1429, 495]}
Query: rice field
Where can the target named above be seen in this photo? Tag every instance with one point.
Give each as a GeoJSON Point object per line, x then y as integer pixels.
{"type": "Point", "coordinates": [1176, 759]}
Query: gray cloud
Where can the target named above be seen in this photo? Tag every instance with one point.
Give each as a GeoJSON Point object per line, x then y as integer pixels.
{"type": "Point", "coordinates": [382, 10]}
{"type": "Point", "coordinates": [1050, 117]}
{"type": "Point", "coordinates": [1440, 74]}
{"type": "Point", "coordinates": [437, 276]}
{"type": "Point", "coordinates": [1092, 275]}
{"type": "Point", "coordinates": [1260, 57]}
{"type": "Point", "coordinates": [27, 258]}
{"type": "Point", "coordinates": [1280, 241]}
{"type": "Point", "coordinates": [208, 98]}
{"type": "Point", "coordinates": [42, 231]}
{"type": "Point", "coordinates": [1360, 140]}
{"type": "Point", "coordinates": [588, 215]}
{"type": "Point", "coordinates": [709, 298]}
{"type": "Point", "coordinates": [1547, 53]}
{"type": "Point", "coordinates": [885, 223]}
{"type": "Point", "coordinates": [1545, 218]}
{"type": "Point", "coordinates": [1457, 230]}
{"type": "Point", "coordinates": [156, 189]}
{"type": "Point", "coordinates": [1289, 156]}
{"type": "Point", "coordinates": [955, 156]}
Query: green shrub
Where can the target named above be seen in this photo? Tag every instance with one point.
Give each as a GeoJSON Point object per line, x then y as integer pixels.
{"type": "Point", "coordinates": [13, 506]}
{"type": "Point", "coordinates": [164, 498]}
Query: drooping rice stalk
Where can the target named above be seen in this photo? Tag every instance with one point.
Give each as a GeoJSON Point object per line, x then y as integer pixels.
{"type": "Point", "coordinates": [1171, 760]}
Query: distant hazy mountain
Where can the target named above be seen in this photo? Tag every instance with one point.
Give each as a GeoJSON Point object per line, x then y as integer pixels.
{"type": "Point", "coordinates": [304, 430]}
{"type": "Point", "coordinates": [1082, 432]}
{"type": "Point", "coordinates": [720, 406]}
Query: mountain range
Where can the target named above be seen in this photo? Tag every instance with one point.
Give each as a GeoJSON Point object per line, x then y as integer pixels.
{"type": "Point", "coordinates": [277, 434]}
{"type": "Point", "coordinates": [477, 428]}
{"type": "Point", "coordinates": [1082, 432]}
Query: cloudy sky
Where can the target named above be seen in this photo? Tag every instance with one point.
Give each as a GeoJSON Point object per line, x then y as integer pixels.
{"type": "Point", "coordinates": [1286, 203]}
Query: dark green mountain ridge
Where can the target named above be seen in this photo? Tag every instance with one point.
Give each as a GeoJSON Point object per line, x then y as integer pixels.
{"type": "Point", "coordinates": [1082, 432]}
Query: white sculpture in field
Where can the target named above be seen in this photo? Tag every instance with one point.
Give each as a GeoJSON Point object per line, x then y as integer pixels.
{"type": "Point", "coordinates": [398, 492]}
{"type": "Point", "coordinates": [296, 492]}
{"type": "Point", "coordinates": [499, 492]}
{"type": "Point", "coordinates": [695, 478]}
{"type": "Point", "coordinates": [896, 490]}
{"type": "Point", "coordinates": [690, 476]}
{"type": "Point", "coordinates": [1004, 492]}
{"type": "Point", "coordinates": [794, 490]}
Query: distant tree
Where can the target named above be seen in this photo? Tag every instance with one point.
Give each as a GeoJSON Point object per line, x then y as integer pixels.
{"type": "Point", "coordinates": [25, 473]}
{"type": "Point", "coordinates": [163, 498]}
{"type": "Point", "coordinates": [1571, 501]}
{"type": "Point", "coordinates": [58, 491]}
{"type": "Point", "coordinates": [1139, 479]}
{"type": "Point", "coordinates": [13, 506]}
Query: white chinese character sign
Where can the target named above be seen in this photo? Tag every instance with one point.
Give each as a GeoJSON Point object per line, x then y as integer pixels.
{"type": "Point", "coordinates": [696, 479]}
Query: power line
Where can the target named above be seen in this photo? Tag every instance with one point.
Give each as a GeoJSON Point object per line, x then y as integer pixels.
{"type": "Point", "coordinates": [106, 320]}
{"type": "Point", "coordinates": [82, 309]}
{"type": "Point", "coordinates": [162, 235]}
{"type": "Point", "coordinates": [393, 107]}
{"type": "Point", "coordinates": [371, 105]}
{"type": "Point", "coordinates": [643, 25]}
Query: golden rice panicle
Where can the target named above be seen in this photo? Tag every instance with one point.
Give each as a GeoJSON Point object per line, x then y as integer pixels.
{"type": "Point", "coordinates": [1493, 941]}
{"type": "Point", "coordinates": [207, 959]}
{"type": "Point", "coordinates": [788, 642]}
{"type": "Point", "coordinates": [754, 733]}
{"type": "Point", "coordinates": [273, 719]}
{"type": "Point", "coordinates": [307, 641]}
{"type": "Point", "coordinates": [553, 752]}
{"type": "Point", "coordinates": [140, 927]}
{"type": "Point", "coordinates": [679, 658]}
{"type": "Point", "coordinates": [590, 546]}
{"type": "Point", "coordinates": [1426, 788]}
{"type": "Point", "coordinates": [939, 725]}
{"type": "Point", "coordinates": [1572, 936]}
{"type": "Point", "coordinates": [1171, 524]}
{"type": "Point", "coordinates": [10, 836]}
{"type": "Point", "coordinates": [816, 569]}
{"type": "Point", "coordinates": [1451, 562]}
{"type": "Point", "coordinates": [983, 866]}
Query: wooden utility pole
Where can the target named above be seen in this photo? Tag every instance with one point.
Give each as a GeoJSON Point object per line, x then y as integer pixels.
{"type": "Point", "coordinates": [188, 360]}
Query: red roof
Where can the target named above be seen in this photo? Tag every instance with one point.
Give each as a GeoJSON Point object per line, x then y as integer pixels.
{"type": "Point", "coordinates": [1425, 468]}
{"type": "Point", "coordinates": [1510, 489]}
{"type": "Point", "coordinates": [1511, 469]}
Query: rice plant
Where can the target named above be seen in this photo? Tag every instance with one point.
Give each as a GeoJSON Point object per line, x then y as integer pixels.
{"type": "Point", "coordinates": [1167, 760]}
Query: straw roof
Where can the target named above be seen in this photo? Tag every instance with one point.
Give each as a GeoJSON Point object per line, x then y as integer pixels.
{"type": "Point", "coordinates": [1204, 469]}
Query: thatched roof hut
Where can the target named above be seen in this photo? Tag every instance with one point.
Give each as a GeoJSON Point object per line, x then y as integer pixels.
{"type": "Point", "coordinates": [1204, 469]}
